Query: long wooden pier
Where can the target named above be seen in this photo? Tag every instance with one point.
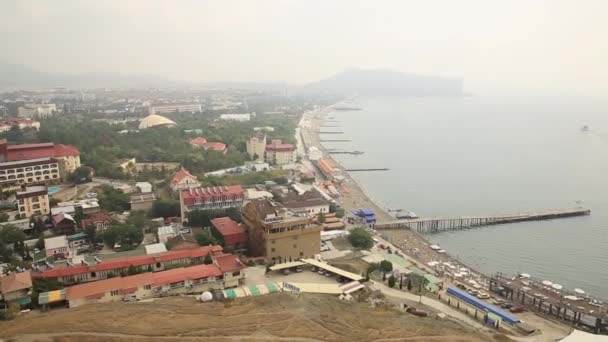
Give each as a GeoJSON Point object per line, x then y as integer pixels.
{"type": "Point", "coordinates": [437, 225]}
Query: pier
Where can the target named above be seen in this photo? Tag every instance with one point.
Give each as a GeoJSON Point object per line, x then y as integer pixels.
{"type": "Point", "coordinates": [437, 225]}
{"type": "Point", "coordinates": [360, 170]}
{"type": "Point", "coordinates": [345, 152]}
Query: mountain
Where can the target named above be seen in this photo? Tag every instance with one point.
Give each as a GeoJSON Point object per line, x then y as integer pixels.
{"type": "Point", "coordinates": [16, 76]}
{"type": "Point", "coordinates": [374, 82]}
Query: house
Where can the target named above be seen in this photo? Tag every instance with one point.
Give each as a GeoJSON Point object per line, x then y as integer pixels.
{"type": "Point", "coordinates": [16, 287]}
{"type": "Point", "coordinates": [256, 146]}
{"type": "Point", "coordinates": [310, 202]}
{"type": "Point", "coordinates": [144, 187]}
{"type": "Point", "coordinates": [237, 117]}
{"type": "Point", "coordinates": [278, 153]}
{"type": "Point", "coordinates": [94, 271]}
{"type": "Point", "coordinates": [21, 123]}
{"type": "Point", "coordinates": [85, 206]}
{"type": "Point", "coordinates": [155, 248]}
{"type": "Point", "coordinates": [33, 201]}
{"type": "Point", "coordinates": [231, 233]}
{"type": "Point", "coordinates": [201, 142]}
{"type": "Point", "coordinates": [142, 201]}
{"type": "Point", "coordinates": [210, 198]}
{"type": "Point", "coordinates": [57, 247]}
{"type": "Point", "coordinates": [184, 180]}
{"type": "Point", "coordinates": [165, 233]}
{"type": "Point", "coordinates": [63, 223]}
{"type": "Point", "coordinates": [101, 221]}
{"type": "Point", "coordinates": [182, 241]}
{"type": "Point", "coordinates": [77, 240]}
{"type": "Point", "coordinates": [148, 285]}
{"type": "Point", "coordinates": [42, 110]}
{"type": "Point", "coordinates": [278, 233]}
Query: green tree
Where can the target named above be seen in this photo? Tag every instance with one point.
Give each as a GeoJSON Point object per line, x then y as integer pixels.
{"type": "Point", "coordinates": [165, 208]}
{"type": "Point", "coordinates": [80, 175]}
{"type": "Point", "coordinates": [10, 234]}
{"type": "Point", "coordinates": [53, 201]}
{"type": "Point", "coordinates": [386, 266]}
{"type": "Point", "coordinates": [113, 200]}
{"type": "Point", "coordinates": [321, 217]}
{"type": "Point", "coordinates": [204, 238]}
{"type": "Point", "coordinates": [334, 208]}
{"type": "Point", "coordinates": [40, 243]}
{"type": "Point", "coordinates": [4, 217]}
{"type": "Point", "coordinates": [360, 238]}
{"type": "Point", "coordinates": [391, 281]}
{"type": "Point", "coordinates": [91, 232]}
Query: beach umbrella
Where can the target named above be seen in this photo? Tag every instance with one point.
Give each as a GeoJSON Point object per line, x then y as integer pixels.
{"type": "Point", "coordinates": [557, 286]}
{"type": "Point", "coordinates": [547, 282]}
{"type": "Point", "coordinates": [525, 275]}
{"type": "Point", "coordinates": [579, 291]}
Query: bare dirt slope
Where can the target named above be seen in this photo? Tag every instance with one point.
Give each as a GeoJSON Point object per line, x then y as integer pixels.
{"type": "Point", "coordinates": [279, 317]}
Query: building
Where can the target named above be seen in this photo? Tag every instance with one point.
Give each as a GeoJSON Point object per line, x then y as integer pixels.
{"type": "Point", "coordinates": [155, 248]}
{"type": "Point", "coordinates": [314, 153]}
{"type": "Point", "coordinates": [184, 180]}
{"type": "Point", "coordinates": [101, 221]}
{"type": "Point", "coordinates": [41, 110]}
{"type": "Point", "coordinates": [156, 121]}
{"type": "Point", "coordinates": [165, 233]}
{"type": "Point", "coordinates": [21, 123]}
{"type": "Point", "coordinates": [16, 288]}
{"type": "Point", "coordinates": [77, 240]}
{"type": "Point", "coordinates": [15, 174]}
{"type": "Point", "coordinates": [85, 206]}
{"type": "Point", "coordinates": [278, 153]}
{"type": "Point", "coordinates": [310, 203]}
{"type": "Point", "coordinates": [232, 234]}
{"type": "Point", "coordinates": [141, 201]}
{"type": "Point", "coordinates": [237, 117]}
{"type": "Point", "coordinates": [33, 201]}
{"type": "Point", "coordinates": [57, 247]}
{"type": "Point", "coordinates": [210, 198]}
{"type": "Point", "coordinates": [176, 107]}
{"type": "Point", "coordinates": [256, 146]}
{"type": "Point", "coordinates": [68, 155]}
{"type": "Point", "coordinates": [223, 273]}
{"type": "Point", "coordinates": [144, 187]}
{"type": "Point", "coordinates": [279, 234]}
{"type": "Point", "coordinates": [201, 142]}
{"type": "Point", "coordinates": [94, 271]}
{"type": "Point", "coordinates": [182, 241]}
{"type": "Point", "coordinates": [63, 223]}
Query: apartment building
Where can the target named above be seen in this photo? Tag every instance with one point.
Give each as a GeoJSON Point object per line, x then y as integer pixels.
{"type": "Point", "coordinates": [41, 110]}
{"type": "Point", "coordinates": [175, 107]}
{"type": "Point", "coordinates": [67, 155]}
{"type": "Point", "coordinates": [279, 234]}
{"type": "Point", "coordinates": [210, 198]}
{"type": "Point", "coordinates": [278, 153]}
{"type": "Point", "coordinates": [33, 201]}
{"type": "Point", "coordinates": [15, 174]}
{"type": "Point", "coordinates": [256, 146]}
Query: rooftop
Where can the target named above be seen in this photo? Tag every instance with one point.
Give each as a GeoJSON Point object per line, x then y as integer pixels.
{"type": "Point", "coordinates": [56, 242]}
{"type": "Point", "coordinates": [31, 190]}
{"type": "Point", "coordinates": [15, 282]}
{"type": "Point", "coordinates": [181, 174]}
{"type": "Point", "coordinates": [212, 192]}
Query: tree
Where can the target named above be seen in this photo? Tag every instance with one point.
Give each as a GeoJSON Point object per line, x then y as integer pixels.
{"type": "Point", "coordinates": [321, 217]}
{"type": "Point", "coordinates": [81, 175]}
{"type": "Point", "coordinates": [112, 199]}
{"type": "Point", "coordinates": [38, 226]}
{"type": "Point", "coordinates": [91, 232]}
{"type": "Point", "coordinates": [409, 284]}
{"type": "Point", "coordinates": [208, 260]}
{"type": "Point", "coordinates": [334, 208]}
{"type": "Point", "coordinates": [12, 311]}
{"type": "Point", "coordinates": [360, 238]}
{"type": "Point", "coordinates": [204, 238]}
{"type": "Point", "coordinates": [10, 234]}
{"type": "Point", "coordinates": [53, 201]}
{"type": "Point", "coordinates": [4, 217]}
{"type": "Point", "coordinates": [401, 282]}
{"type": "Point", "coordinates": [165, 208]}
{"type": "Point", "coordinates": [391, 281]}
{"type": "Point", "coordinates": [40, 243]}
{"type": "Point", "coordinates": [386, 266]}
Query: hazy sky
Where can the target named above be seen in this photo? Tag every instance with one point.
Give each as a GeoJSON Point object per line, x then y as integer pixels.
{"type": "Point", "coordinates": [544, 45]}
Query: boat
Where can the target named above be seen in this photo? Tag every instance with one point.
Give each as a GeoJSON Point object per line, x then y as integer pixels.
{"type": "Point", "coordinates": [585, 128]}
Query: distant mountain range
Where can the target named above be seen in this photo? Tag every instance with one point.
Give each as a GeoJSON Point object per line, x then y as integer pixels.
{"type": "Point", "coordinates": [375, 82]}
{"type": "Point", "coordinates": [16, 76]}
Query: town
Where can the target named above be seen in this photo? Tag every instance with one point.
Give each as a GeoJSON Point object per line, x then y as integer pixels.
{"type": "Point", "coordinates": [127, 196]}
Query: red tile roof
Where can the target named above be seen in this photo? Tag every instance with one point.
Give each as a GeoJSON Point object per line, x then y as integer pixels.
{"type": "Point", "coordinates": [120, 263]}
{"type": "Point", "coordinates": [198, 141]}
{"type": "Point", "coordinates": [34, 151]}
{"type": "Point", "coordinates": [187, 273]}
{"type": "Point", "coordinates": [278, 146]}
{"type": "Point", "coordinates": [181, 174]}
{"type": "Point", "coordinates": [229, 263]}
{"type": "Point", "coordinates": [215, 193]}
{"type": "Point", "coordinates": [98, 217]}
{"type": "Point", "coordinates": [216, 146]}
{"type": "Point", "coordinates": [15, 282]}
{"type": "Point", "coordinates": [96, 289]}
{"type": "Point", "coordinates": [230, 230]}
{"type": "Point", "coordinates": [203, 143]}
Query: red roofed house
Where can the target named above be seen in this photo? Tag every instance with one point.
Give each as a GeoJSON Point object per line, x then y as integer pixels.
{"type": "Point", "coordinates": [117, 266]}
{"type": "Point", "coordinates": [203, 143]}
{"type": "Point", "coordinates": [225, 272]}
{"type": "Point", "coordinates": [101, 221]}
{"type": "Point", "coordinates": [21, 123]}
{"type": "Point", "coordinates": [16, 287]}
{"type": "Point", "coordinates": [63, 223]}
{"type": "Point", "coordinates": [68, 155]}
{"type": "Point", "coordinates": [231, 233]}
{"type": "Point", "coordinates": [278, 153]}
{"type": "Point", "coordinates": [210, 198]}
{"type": "Point", "coordinates": [184, 180]}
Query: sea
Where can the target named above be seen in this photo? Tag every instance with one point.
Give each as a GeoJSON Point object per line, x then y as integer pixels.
{"type": "Point", "coordinates": [476, 155]}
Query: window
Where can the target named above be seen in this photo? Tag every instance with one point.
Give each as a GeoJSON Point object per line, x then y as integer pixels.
{"type": "Point", "coordinates": [236, 273]}
{"type": "Point", "coordinates": [93, 274]}
{"type": "Point", "coordinates": [147, 287]}
{"type": "Point", "coordinates": [158, 265]}
{"type": "Point", "coordinates": [21, 201]}
{"type": "Point", "coordinates": [19, 170]}
{"type": "Point", "coordinates": [272, 241]}
{"type": "Point", "coordinates": [114, 293]}
{"type": "Point", "coordinates": [272, 250]}
{"type": "Point", "coordinates": [295, 246]}
{"type": "Point", "coordinates": [301, 254]}
{"type": "Point", "coordinates": [36, 206]}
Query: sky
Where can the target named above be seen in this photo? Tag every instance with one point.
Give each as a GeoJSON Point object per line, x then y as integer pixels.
{"type": "Point", "coordinates": [545, 46]}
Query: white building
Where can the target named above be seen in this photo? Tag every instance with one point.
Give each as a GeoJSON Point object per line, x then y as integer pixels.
{"type": "Point", "coordinates": [176, 107]}
{"type": "Point", "coordinates": [237, 117]}
{"type": "Point", "coordinates": [144, 187]}
{"type": "Point", "coordinates": [37, 110]}
{"type": "Point", "coordinates": [314, 153]}
{"type": "Point", "coordinates": [57, 246]}
{"type": "Point", "coordinates": [165, 233]}
{"type": "Point", "coordinates": [21, 123]}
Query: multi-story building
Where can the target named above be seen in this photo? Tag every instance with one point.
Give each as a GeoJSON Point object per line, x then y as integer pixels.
{"type": "Point", "coordinates": [237, 117]}
{"type": "Point", "coordinates": [279, 234]}
{"type": "Point", "coordinates": [94, 271]}
{"type": "Point", "coordinates": [21, 123]}
{"type": "Point", "coordinates": [33, 201]}
{"type": "Point", "coordinates": [57, 247]}
{"type": "Point", "coordinates": [278, 153]}
{"type": "Point", "coordinates": [310, 203]}
{"type": "Point", "coordinates": [69, 156]}
{"type": "Point", "coordinates": [176, 107]}
{"type": "Point", "coordinates": [37, 110]}
{"type": "Point", "coordinates": [184, 180]}
{"type": "Point", "coordinates": [210, 198]}
{"type": "Point", "coordinates": [15, 174]}
{"type": "Point", "coordinates": [256, 146]}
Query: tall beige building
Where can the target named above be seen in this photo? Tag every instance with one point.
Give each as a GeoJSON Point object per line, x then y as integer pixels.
{"type": "Point", "coordinates": [33, 201]}
{"type": "Point", "coordinates": [279, 234]}
{"type": "Point", "coordinates": [256, 146]}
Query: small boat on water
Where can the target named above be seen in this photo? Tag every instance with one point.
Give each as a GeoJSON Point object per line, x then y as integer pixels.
{"type": "Point", "coordinates": [585, 128]}
{"type": "Point", "coordinates": [409, 215]}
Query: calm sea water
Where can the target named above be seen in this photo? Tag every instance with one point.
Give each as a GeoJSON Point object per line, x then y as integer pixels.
{"type": "Point", "coordinates": [480, 156]}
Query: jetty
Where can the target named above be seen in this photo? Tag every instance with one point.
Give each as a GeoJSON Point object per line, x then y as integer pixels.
{"type": "Point", "coordinates": [344, 152]}
{"type": "Point", "coordinates": [360, 170]}
{"type": "Point", "coordinates": [437, 225]}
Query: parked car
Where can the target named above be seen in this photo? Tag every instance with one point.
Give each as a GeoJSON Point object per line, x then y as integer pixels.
{"type": "Point", "coordinates": [321, 272]}
{"type": "Point", "coordinates": [482, 295]}
{"type": "Point", "coordinates": [506, 305]}
{"type": "Point", "coordinates": [129, 298]}
{"type": "Point", "coordinates": [462, 287]}
{"type": "Point", "coordinates": [416, 312]}
{"type": "Point", "coordinates": [299, 269]}
{"type": "Point", "coordinates": [517, 309]}
{"type": "Point", "coordinates": [286, 271]}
